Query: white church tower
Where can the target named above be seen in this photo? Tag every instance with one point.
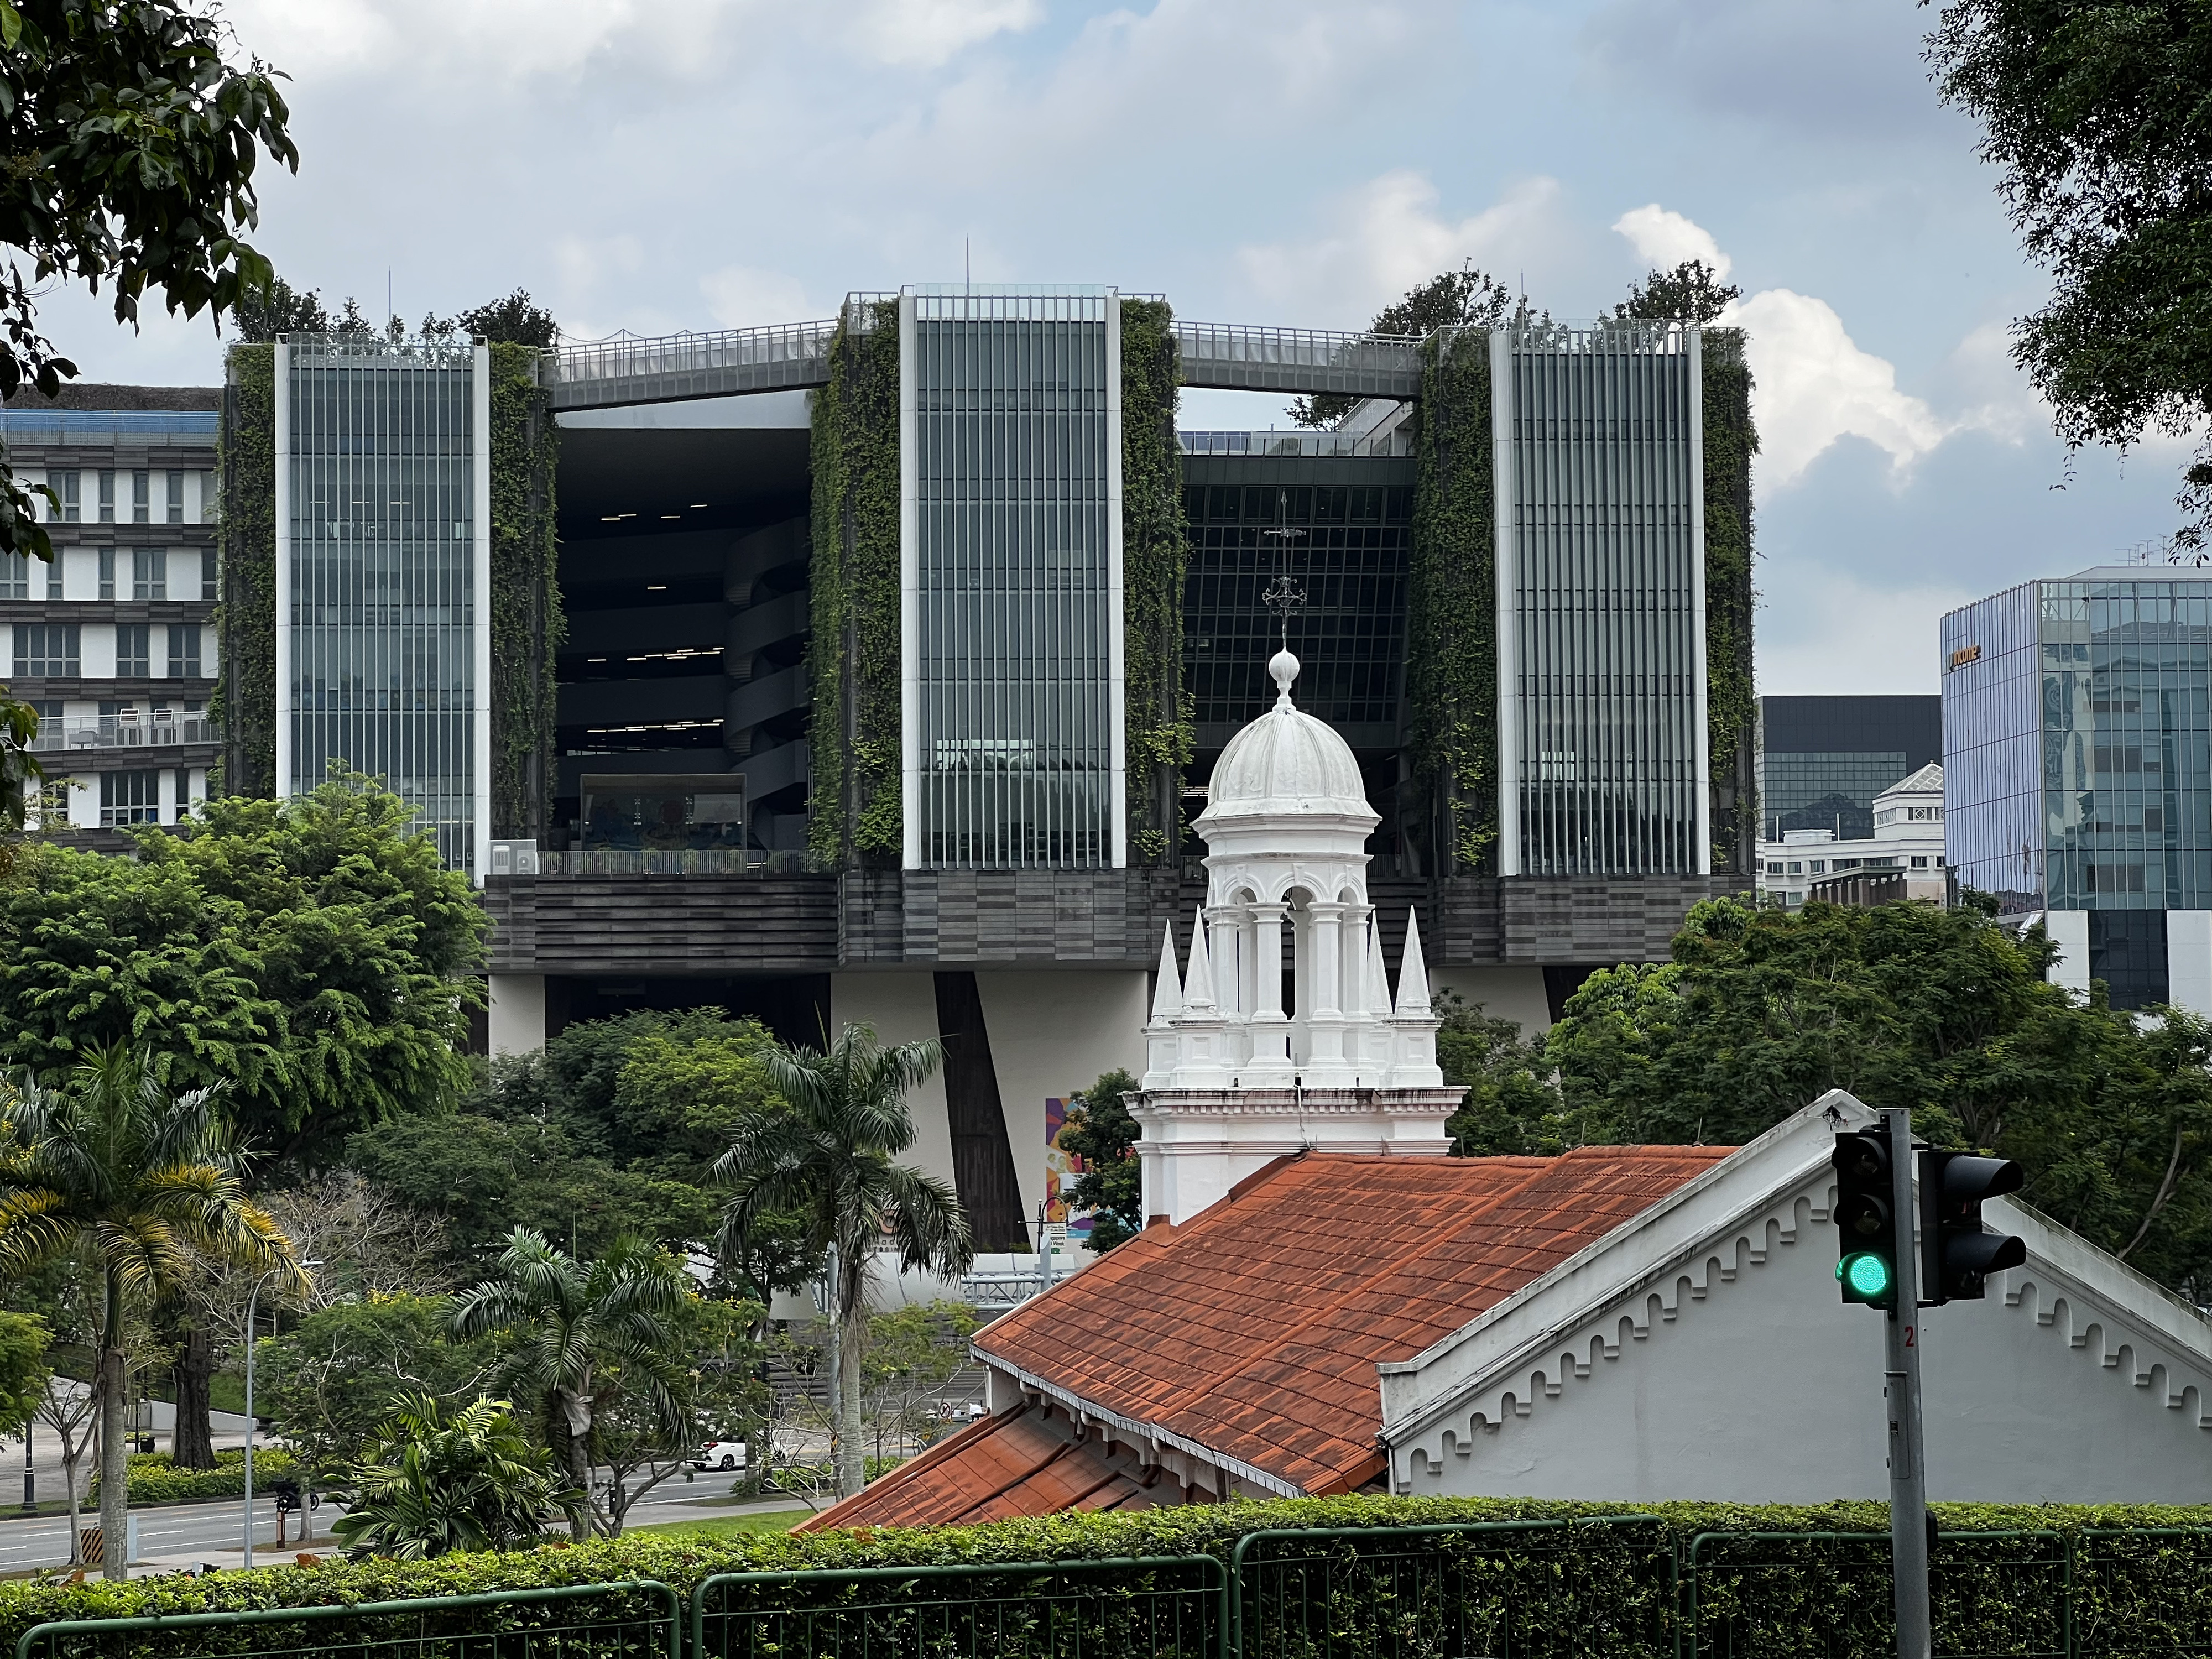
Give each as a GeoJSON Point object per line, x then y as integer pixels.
{"type": "Point", "coordinates": [1235, 1079]}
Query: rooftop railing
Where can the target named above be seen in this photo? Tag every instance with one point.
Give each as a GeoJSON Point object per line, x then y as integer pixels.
{"type": "Point", "coordinates": [1395, 442]}
{"type": "Point", "coordinates": [160, 729]}
{"type": "Point", "coordinates": [1238, 357]}
{"type": "Point", "coordinates": [631, 369]}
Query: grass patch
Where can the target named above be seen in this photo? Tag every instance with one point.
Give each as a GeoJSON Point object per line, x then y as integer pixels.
{"type": "Point", "coordinates": [726, 1525]}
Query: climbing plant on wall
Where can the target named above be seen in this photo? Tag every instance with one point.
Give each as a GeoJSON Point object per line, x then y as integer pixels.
{"type": "Point", "coordinates": [245, 617]}
{"type": "Point", "coordinates": [1731, 697]}
{"type": "Point", "coordinates": [527, 624]}
{"type": "Point", "coordinates": [1451, 677]}
{"type": "Point", "coordinates": [853, 661]}
{"type": "Point", "coordinates": [1154, 555]}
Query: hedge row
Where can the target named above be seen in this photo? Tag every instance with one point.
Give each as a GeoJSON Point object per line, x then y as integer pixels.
{"type": "Point", "coordinates": [684, 1562]}
{"type": "Point", "coordinates": [155, 1478]}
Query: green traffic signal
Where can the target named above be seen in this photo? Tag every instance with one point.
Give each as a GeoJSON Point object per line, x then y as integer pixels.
{"type": "Point", "coordinates": [1867, 1277]}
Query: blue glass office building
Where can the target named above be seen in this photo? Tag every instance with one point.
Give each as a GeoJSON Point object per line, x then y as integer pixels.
{"type": "Point", "coordinates": [2078, 736]}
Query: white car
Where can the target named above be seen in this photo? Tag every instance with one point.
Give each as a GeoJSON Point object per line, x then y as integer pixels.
{"type": "Point", "coordinates": [719, 1454]}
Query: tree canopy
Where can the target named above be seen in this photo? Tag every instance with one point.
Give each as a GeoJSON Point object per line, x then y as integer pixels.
{"type": "Point", "coordinates": [310, 954]}
{"type": "Point", "coordinates": [1944, 1012]}
{"type": "Point", "coordinates": [1101, 1132]}
{"type": "Point", "coordinates": [2094, 114]}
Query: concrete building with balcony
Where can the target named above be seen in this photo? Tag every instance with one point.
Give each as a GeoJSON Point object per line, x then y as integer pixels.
{"type": "Point", "coordinates": [113, 642]}
{"type": "Point", "coordinates": [876, 668]}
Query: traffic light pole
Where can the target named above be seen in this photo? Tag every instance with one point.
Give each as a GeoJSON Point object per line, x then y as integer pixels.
{"type": "Point", "coordinates": [1908, 1470]}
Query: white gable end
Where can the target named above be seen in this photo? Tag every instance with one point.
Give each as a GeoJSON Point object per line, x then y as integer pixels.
{"type": "Point", "coordinates": [1702, 1352]}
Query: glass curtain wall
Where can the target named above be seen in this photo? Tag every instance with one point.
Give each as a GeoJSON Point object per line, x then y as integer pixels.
{"type": "Point", "coordinates": [1012, 510]}
{"type": "Point", "coordinates": [382, 617]}
{"type": "Point", "coordinates": [1602, 546]}
{"type": "Point", "coordinates": [1992, 748]}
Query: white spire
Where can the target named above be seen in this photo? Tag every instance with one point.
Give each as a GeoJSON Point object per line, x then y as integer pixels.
{"type": "Point", "coordinates": [1167, 997]}
{"type": "Point", "coordinates": [1378, 971]}
{"type": "Point", "coordinates": [1413, 973]}
{"type": "Point", "coordinates": [1198, 984]}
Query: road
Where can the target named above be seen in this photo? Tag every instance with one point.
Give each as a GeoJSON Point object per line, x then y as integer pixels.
{"type": "Point", "coordinates": [184, 1532]}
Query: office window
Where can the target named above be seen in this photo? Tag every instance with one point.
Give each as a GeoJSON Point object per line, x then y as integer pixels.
{"type": "Point", "coordinates": [1774, 868]}
{"type": "Point", "coordinates": [1919, 862]}
{"type": "Point", "coordinates": [176, 498]}
{"type": "Point", "coordinates": [14, 576]}
{"type": "Point", "coordinates": [54, 575]}
{"type": "Point", "coordinates": [150, 573]}
{"type": "Point", "coordinates": [1796, 866]}
{"type": "Point", "coordinates": [47, 651]}
{"type": "Point", "coordinates": [131, 654]}
{"type": "Point", "coordinates": [106, 573]}
{"type": "Point", "coordinates": [72, 504]}
{"type": "Point", "coordinates": [184, 650]}
{"type": "Point", "coordinates": [107, 498]}
{"type": "Point", "coordinates": [1818, 864]}
{"type": "Point", "coordinates": [130, 798]}
{"type": "Point", "coordinates": [206, 557]}
{"type": "Point", "coordinates": [142, 497]}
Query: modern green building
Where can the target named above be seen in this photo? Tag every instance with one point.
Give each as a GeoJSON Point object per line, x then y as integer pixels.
{"type": "Point", "coordinates": [866, 667]}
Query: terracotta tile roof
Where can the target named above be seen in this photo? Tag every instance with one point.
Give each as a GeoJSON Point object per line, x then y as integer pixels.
{"type": "Point", "coordinates": [1025, 1462]}
{"type": "Point", "coordinates": [1253, 1329]}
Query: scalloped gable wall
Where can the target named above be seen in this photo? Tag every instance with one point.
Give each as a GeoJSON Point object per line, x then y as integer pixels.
{"type": "Point", "coordinates": [1694, 1354]}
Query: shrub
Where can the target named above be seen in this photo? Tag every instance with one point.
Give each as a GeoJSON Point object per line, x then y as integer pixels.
{"type": "Point", "coordinates": [154, 1478]}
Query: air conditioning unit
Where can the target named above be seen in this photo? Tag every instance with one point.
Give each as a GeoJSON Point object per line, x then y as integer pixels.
{"type": "Point", "coordinates": [513, 858]}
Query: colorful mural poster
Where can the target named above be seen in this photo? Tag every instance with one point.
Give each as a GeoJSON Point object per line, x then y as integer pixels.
{"type": "Point", "coordinates": [1062, 1168]}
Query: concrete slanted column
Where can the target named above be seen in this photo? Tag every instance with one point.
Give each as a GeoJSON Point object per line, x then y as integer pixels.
{"type": "Point", "coordinates": [516, 1018]}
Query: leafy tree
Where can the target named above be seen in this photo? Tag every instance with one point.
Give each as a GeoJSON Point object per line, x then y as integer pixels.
{"type": "Point", "coordinates": [280, 308]}
{"type": "Point", "coordinates": [1943, 1012]}
{"type": "Point", "coordinates": [1691, 292]}
{"type": "Point", "coordinates": [331, 1380]}
{"type": "Point", "coordinates": [719, 1392]}
{"type": "Point", "coordinates": [1465, 298]}
{"type": "Point", "coordinates": [513, 319]}
{"type": "Point", "coordinates": [691, 1096]}
{"type": "Point", "coordinates": [307, 953]}
{"type": "Point", "coordinates": [1511, 1105]}
{"type": "Point", "coordinates": [139, 1178]}
{"type": "Point", "coordinates": [2093, 112]}
{"type": "Point", "coordinates": [830, 1159]}
{"type": "Point", "coordinates": [1100, 1131]}
{"type": "Point", "coordinates": [132, 143]}
{"type": "Point", "coordinates": [440, 1479]}
{"type": "Point", "coordinates": [913, 1352]}
{"type": "Point", "coordinates": [24, 1368]}
{"type": "Point", "coordinates": [575, 1330]}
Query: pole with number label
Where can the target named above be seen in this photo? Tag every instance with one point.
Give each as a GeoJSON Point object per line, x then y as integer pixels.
{"type": "Point", "coordinates": [1908, 1470]}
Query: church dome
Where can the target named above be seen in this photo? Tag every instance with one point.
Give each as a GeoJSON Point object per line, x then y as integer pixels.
{"type": "Point", "coordinates": [1286, 764]}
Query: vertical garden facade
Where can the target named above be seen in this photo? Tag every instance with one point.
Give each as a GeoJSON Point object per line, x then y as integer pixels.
{"type": "Point", "coordinates": [387, 544]}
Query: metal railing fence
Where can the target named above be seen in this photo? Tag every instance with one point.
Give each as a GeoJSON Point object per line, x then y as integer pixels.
{"type": "Point", "coordinates": [158, 730]}
{"type": "Point", "coordinates": [1826, 1596]}
{"type": "Point", "coordinates": [636, 1618]}
{"type": "Point", "coordinates": [1613, 1584]}
{"type": "Point", "coordinates": [1174, 1607]}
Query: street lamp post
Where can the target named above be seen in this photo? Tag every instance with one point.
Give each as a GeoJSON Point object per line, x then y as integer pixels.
{"type": "Point", "coordinates": [30, 1481]}
{"type": "Point", "coordinates": [253, 1295]}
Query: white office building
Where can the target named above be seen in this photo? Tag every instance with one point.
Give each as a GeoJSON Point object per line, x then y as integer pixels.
{"type": "Point", "coordinates": [1907, 841]}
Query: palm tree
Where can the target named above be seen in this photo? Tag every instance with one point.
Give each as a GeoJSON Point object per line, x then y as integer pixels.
{"type": "Point", "coordinates": [572, 1325]}
{"type": "Point", "coordinates": [436, 1480]}
{"type": "Point", "coordinates": [829, 1159]}
{"type": "Point", "coordinates": [114, 1168]}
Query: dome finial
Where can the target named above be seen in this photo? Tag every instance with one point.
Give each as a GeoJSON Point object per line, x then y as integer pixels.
{"type": "Point", "coordinates": [1284, 668]}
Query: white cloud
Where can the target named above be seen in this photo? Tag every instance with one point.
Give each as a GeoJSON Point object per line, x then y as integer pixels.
{"type": "Point", "coordinates": [1392, 237]}
{"type": "Point", "coordinates": [1813, 384]}
{"type": "Point", "coordinates": [928, 32]}
{"type": "Point", "coordinates": [1667, 239]}
{"type": "Point", "coordinates": [743, 296]}
{"type": "Point", "coordinates": [483, 41]}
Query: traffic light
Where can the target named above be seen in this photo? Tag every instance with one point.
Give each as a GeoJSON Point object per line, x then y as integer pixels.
{"type": "Point", "coordinates": [1957, 1256]}
{"type": "Point", "coordinates": [1866, 1220]}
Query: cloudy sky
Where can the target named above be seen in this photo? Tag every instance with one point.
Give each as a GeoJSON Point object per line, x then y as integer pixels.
{"type": "Point", "coordinates": [656, 165]}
